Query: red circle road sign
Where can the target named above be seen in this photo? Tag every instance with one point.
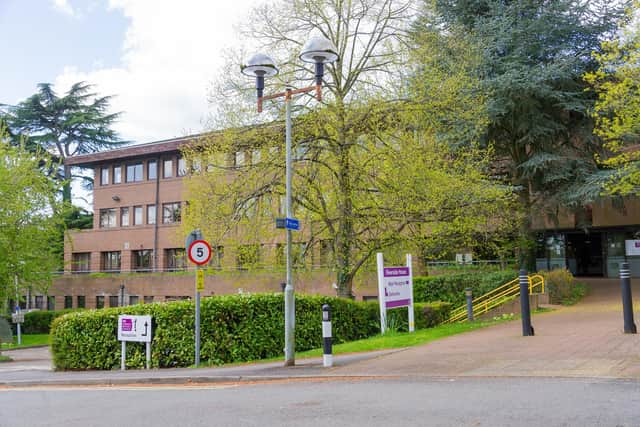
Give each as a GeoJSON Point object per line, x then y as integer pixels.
{"type": "Point", "coordinates": [199, 252]}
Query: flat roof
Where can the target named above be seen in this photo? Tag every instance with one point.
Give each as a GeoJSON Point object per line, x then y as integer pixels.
{"type": "Point", "coordinates": [138, 150]}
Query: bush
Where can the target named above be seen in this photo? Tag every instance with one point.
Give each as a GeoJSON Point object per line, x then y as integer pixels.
{"type": "Point", "coordinates": [426, 315]}
{"type": "Point", "coordinates": [562, 288]}
{"type": "Point", "coordinates": [234, 328]}
{"type": "Point", "coordinates": [450, 288]}
{"type": "Point", "coordinates": [38, 321]}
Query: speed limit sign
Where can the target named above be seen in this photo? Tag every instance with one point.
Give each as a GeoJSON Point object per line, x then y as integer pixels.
{"type": "Point", "coordinates": [199, 252]}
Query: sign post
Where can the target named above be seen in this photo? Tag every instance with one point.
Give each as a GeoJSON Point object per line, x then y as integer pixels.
{"type": "Point", "coordinates": [395, 289]}
{"type": "Point", "coordinates": [136, 329]}
{"type": "Point", "coordinates": [199, 253]}
{"type": "Point", "coordinates": [18, 319]}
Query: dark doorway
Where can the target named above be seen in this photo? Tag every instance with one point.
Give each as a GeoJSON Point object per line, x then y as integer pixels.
{"type": "Point", "coordinates": [584, 254]}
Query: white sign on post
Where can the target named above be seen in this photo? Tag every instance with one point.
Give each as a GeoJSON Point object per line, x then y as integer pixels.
{"type": "Point", "coordinates": [632, 247]}
{"type": "Point", "coordinates": [136, 329]}
{"type": "Point", "coordinates": [395, 289]}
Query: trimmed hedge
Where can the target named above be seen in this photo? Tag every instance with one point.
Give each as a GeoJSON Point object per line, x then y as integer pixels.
{"type": "Point", "coordinates": [38, 321]}
{"type": "Point", "coordinates": [450, 288]}
{"type": "Point", "coordinates": [234, 328]}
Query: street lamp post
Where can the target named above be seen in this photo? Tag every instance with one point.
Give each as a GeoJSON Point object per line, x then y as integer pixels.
{"type": "Point", "coordinates": [319, 51]}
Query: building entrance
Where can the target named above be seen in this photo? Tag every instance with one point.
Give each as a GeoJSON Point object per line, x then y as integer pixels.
{"type": "Point", "coordinates": [584, 254]}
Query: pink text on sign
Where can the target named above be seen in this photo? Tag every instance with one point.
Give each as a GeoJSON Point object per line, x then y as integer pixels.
{"type": "Point", "coordinates": [127, 325]}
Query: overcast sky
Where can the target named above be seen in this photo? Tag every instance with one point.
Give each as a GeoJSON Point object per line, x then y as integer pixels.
{"type": "Point", "coordinates": [157, 57]}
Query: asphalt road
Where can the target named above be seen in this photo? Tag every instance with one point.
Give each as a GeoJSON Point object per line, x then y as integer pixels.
{"type": "Point", "coordinates": [355, 402]}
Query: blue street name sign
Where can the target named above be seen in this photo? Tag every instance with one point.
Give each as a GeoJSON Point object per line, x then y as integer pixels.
{"type": "Point", "coordinates": [292, 224]}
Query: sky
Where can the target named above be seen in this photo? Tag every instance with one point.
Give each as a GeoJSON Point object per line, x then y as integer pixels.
{"type": "Point", "coordinates": [156, 57]}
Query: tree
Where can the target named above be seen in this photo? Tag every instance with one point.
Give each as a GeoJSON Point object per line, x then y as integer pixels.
{"type": "Point", "coordinates": [76, 123]}
{"type": "Point", "coordinates": [534, 56]}
{"type": "Point", "coordinates": [368, 174]}
{"type": "Point", "coordinates": [28, 220]}
{"type": "Point", "coordinates": [617, 109]}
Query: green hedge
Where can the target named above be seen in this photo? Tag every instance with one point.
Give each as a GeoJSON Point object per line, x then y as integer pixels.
{"type": "Point", "coordinates": [38, 321]}
{"type": "Point", "coordinates": [426, 315]}
{"type": "Point", "coordinates": [234, 328]}
{"type": "Point", "coordinates": [450, 288]}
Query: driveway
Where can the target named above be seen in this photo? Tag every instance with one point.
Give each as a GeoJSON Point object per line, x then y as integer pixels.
{"type": "Point", "coordinates": [27, 359]}
{"type": "Point", "coordinates": [585, 340]}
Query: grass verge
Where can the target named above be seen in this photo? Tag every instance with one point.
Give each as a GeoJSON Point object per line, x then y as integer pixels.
{"type": "Point", "coordinates": [30, 340]}
{"type": "Point", "coordinates": [4, 358]}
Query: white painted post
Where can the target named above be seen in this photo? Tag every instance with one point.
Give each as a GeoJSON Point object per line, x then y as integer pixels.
{"type": "Point", "coordinates": [412, 323]}
{"type": "Point", "coordinates": [381, 298]}
{"type": "Point", "coordinates": [123, 356]}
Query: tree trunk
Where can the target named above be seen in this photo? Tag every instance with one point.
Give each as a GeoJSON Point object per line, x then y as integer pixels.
{"type": "Point", "coordinates": [345, 221]}
{"type": "Point", "coordinates": [66, 189]}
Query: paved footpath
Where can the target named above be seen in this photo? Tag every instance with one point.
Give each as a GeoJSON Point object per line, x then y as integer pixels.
{"type": "Point", "coordinates": [585, 340]}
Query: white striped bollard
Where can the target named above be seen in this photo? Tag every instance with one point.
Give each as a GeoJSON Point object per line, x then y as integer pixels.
{"type": "Point", "coordinates": [327, 357]}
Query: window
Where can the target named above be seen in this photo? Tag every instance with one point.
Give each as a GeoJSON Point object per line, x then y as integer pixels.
{"type": "Point", "coordinates": [196, 166]}
{"type": "Point", "coordinates": [113, 300]}
{"type": "Point", "coordinates": [81, 301]}
{"type": "Point", "coordinates": [175, 259]}
{"type": "Point", "coordinates": [152, 170]}
{"type": "Point", "coordinates": [151, 214]}
{"type": "Point", "coordinates": [247, 256]}
{"type": "Point", "coordinates": [81, 262]}
{"type": "Point", "coordinates": [68, 301]}
{"type": "Point", "coordinates": [142, 260]}
{"type": "Point", "coordinates": [148, 299]}
{"type": "Point", "coordinates": [104, 176]}
{"type": "Point", "coordinates": [124, 217]}
{"type": "Point", "coordinates": [51, 303]}
{"type": "Point", "coordinates": [182, 167]}
{"type": "Point", "coordinates": [134, 299]}
{"type": "Point", "coordinates": [216, 256]}
{"type": "Point", "coordinates": [239, 158]}
{"type": "Point", "coordinates": [167, 168]}
{"type": "Point", "coordinates": [100, 301]}
{"type": "Point", "coordinates": [170, 213]}
{"type": "Point", "coordinates": [111, 261]}
{"type": "Point", "coordinates": [255, 156]}
{"type": "Point", "coordinates": [39, 303]}
{"type": "Point", "coordinates": [107, 218]}
{"type": "Point", "coordinates": [117, 174]}
{"type": "Point", "coordinates": [326, 253]}
{"type": "Point", "coordinates": [134, 172]}
{"type": "Point", "coordinates": [137, 215]}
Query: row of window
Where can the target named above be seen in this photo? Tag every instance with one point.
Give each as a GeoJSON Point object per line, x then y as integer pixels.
{"type": "Point", "coordinates": [171, 213]}
{"type": "Point", "coordinates": [134, 171]}
{"type": "Point", "coordinates": [175, 258]}
{"type": "Point", "coordinates": [81, 301]}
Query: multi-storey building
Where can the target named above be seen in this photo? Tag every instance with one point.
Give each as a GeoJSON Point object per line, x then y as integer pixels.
{"type": "Point", "coordinates": [137, 200]}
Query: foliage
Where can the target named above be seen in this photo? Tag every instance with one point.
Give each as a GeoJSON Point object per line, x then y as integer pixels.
{"type": "Point", "coordinates": [617, 109]}
{"type": "Point", "coordinates": [39, 321]}
{"type": "Point", "coordinates": [28, 340]}
{"type": "Point", "coordinates": [233, 329]}
{"type": "Point", "coordinates": [562, 288]}
{"type": "Point", "coordinates": [76, 123]}
{"type": "Point", "coordinates": [28, 221]}
{"type": "Point", "coordinates": [450, 288]}
{"type": "Point", "coordinates": [533, 57]}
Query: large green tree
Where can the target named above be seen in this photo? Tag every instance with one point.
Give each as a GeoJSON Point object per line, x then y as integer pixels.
{"type": "Point", "coordinates": [63, 126]}
{"type": "Point", "coordinates": [28, 221]}
{"type": "Point", "coordinates": [617, 109]}
{"type": "Point", "coordinates": [534, 56]}
{"type": "Point", "coordinates": [370, 170]}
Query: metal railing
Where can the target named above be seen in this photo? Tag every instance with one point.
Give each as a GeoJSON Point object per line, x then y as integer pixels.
{"type": "Point", "coordinates": [496, 297]}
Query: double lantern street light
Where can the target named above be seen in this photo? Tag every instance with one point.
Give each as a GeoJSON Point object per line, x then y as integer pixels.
{"type": "Point", "coordinates": [319, 51]}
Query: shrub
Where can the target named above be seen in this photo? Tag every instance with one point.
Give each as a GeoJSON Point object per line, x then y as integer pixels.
{"type": "Point", "coordinates": [38, 321]}
{"type": "Point", "coordinates": [450, 288]}
{"type": "Point", "coordinates": [562, 288]}
{"type": "Point", "coordinates": [426, 315]}
{"type": "Point", "coordinates": [234, 328]}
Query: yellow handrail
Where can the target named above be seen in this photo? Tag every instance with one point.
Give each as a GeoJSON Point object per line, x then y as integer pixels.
{"type": "Point", "coordinates": [496, 297]}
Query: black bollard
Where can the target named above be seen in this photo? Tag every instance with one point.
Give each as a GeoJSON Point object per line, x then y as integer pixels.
{"type": "Point", "coordinates": [469, 295]}
{"type": "Point", "coordinates": [627, 302]}
{"type": "Point", "coordinates": [525, 310]}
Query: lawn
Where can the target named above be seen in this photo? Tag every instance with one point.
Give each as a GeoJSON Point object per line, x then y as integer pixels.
{"type": "Point", "coordinates": [27, 341]}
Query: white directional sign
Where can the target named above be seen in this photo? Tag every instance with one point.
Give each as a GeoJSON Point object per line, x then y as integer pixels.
{"type": "Point", "coordinates": [134, 328]}
{"type": "Point", "coordinates": [199, 252]}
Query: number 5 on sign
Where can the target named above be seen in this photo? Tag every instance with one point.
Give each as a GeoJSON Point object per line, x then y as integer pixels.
{"type": "Point", "coordinates": [199, 252]}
